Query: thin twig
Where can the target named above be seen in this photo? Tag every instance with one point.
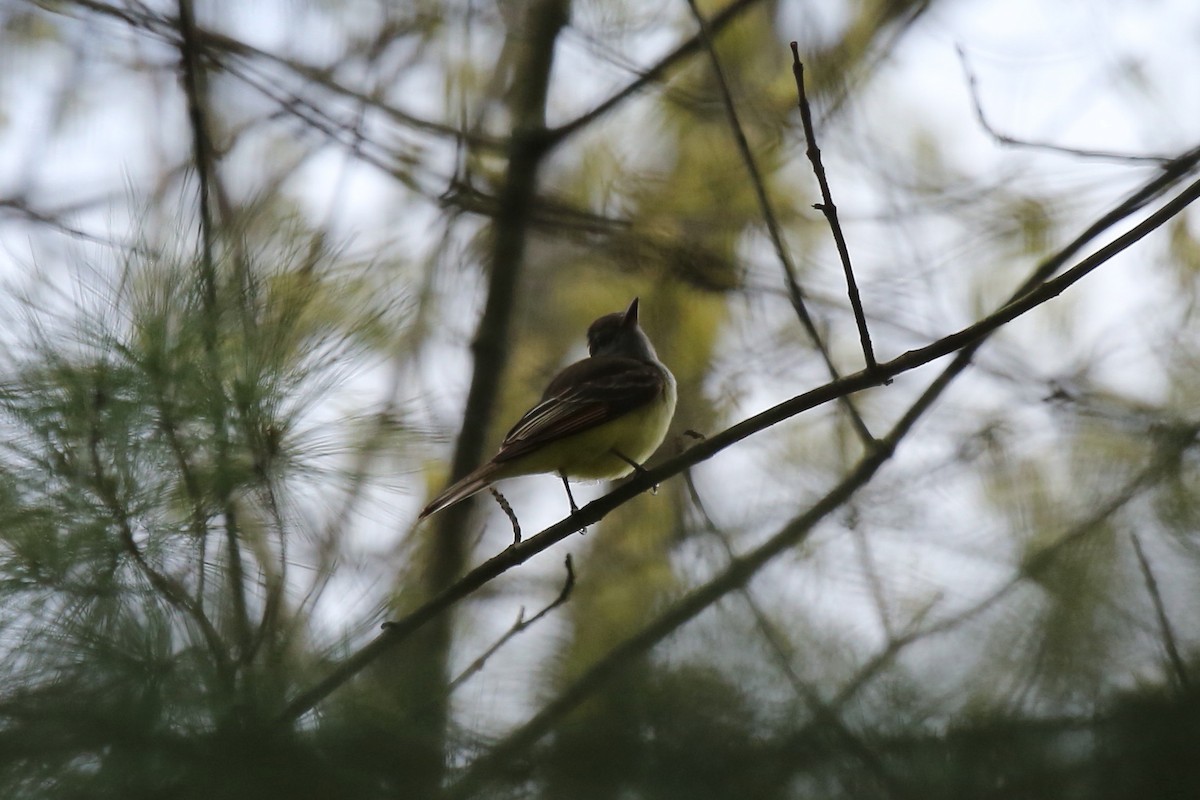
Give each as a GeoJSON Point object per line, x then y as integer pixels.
{"type": "Point", "coordinates": [656, 72]}
{"type": "Point", "coordinates": [55, 221]}
{"type": "Point", "coordinates": [827, 207]}
{"type": "Point", "coordinates": [1160, 611]}
{"type": "Point", "coordinates": [795, 294]}
{"type": "Point", "coordinates": [1012, 141]}
{"type": "Point", "coordinates": [1032, 567]}
{"type": "Point", "coordinates": [783, 658]}
{"type": "Point", "coordinates": [966, 340]}
{"type": "Point", "coordinates": [518, 626]}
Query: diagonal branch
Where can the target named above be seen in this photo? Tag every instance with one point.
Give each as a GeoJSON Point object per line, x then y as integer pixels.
{"type": "Point", "coordinates": [735, 576]}
{"type": "Point", "coordinates": [776, 643]}
{"type": "Point", "coordinates": [1160, 612]}
{"type": "Point", "coordinates": [1029, 296]}
{"type": "Point", "coordinates": [657, 72]}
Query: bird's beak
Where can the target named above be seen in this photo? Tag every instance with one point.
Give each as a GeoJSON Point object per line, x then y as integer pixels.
{"type": "Point", "coordinates": [630, 320]}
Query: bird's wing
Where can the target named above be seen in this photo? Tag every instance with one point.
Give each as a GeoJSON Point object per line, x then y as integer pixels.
{"type": "Point", "coordinates": [586, 394]}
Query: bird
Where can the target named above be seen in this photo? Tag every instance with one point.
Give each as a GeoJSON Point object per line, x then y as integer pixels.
{"type": "Point", "coordinates": [599, 418]}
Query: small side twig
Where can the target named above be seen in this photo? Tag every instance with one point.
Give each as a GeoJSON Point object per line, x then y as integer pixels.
{"type": "Point", "coordinates": [795, 294]}
{"type": "Point", "coordinates": [827, 207]}
{"type": "Point", "coordinates": [1012, 141]}
{"type": "Point", "coordinates": [517, 627]}
{"type": "Point", "coordinates": [1160, 611]}
{"type": "Point", "coordinates": [508, 512]}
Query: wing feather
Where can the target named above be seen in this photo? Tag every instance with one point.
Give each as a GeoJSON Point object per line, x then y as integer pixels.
{"type": "Point", "coordinates": [583, 396]}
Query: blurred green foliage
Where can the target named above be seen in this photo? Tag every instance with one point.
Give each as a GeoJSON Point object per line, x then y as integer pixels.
{"type": "Point", "coordinates": [205, 507]}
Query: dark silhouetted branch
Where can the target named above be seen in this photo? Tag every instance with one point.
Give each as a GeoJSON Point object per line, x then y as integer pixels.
{"type": "Point", "coordinates": [827, 207]}
{"type": "Point", "coordinates": [795, 295]}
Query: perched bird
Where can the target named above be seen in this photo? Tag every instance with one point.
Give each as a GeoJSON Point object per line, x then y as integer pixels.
{"type": "Point", "coordinates": [600, 418]}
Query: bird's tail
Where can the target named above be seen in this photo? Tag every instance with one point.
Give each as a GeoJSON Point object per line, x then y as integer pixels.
{"type": "Point", "coordinates": [461, 489]}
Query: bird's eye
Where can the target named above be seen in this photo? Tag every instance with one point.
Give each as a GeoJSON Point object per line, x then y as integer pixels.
{"type": "Point", "coordinates": [600, 339]}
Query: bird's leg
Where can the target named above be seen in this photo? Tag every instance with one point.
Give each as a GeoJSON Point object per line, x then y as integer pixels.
{"type": "Point", "coordinates": [638, 468]}
{"type": "Point", "coordinates": [571, 498]}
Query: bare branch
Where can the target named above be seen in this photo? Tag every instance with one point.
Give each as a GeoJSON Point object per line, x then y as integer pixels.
{"type": "Point", "coordinates": [56, 220]}
{"type": "Point", "coordinates": [657, 72]}
{"type": "Point", "coordinates": [1012, 141]}
{"type": "Point", "coordinates": [764, 203]}
{"type": "Point", "coordinates": [776, 643]}
{"type": "Point", "coordinates": [521, 624]}
{"type": "Point", "coordinates": [828, 208]}
{"type": "Point", "coordinates": [1160, 611]}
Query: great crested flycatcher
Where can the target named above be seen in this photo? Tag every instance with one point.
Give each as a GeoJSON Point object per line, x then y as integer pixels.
{"type": "Point", "coordinates": [600, 418]}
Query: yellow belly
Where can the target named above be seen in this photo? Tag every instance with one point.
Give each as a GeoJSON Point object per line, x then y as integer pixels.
{"type": "Point", "coordinates": [590, 455]}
